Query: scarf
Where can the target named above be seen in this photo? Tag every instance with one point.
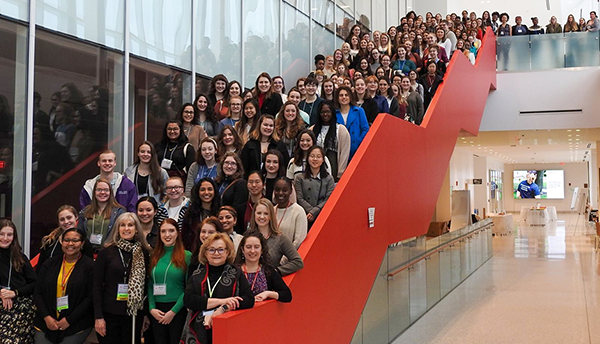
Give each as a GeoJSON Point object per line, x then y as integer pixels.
{"type": "Point", "coordinates": [136, 275]}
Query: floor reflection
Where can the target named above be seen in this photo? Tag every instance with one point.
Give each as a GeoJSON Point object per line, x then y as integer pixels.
{"type": "Point", "coordinates": [549, 241]}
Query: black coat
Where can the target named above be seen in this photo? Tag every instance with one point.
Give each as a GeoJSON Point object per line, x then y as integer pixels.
{"type": "Point", "coordinates": [79, 290]}
{"type": "Point", "coordinates": [371, 109]}
{"type": "Point", "coordinates": [272, 105]}
{"type": "Point", "coordinates": [236, 196]}
{"type": "Point", "coordinates": [252, 158]}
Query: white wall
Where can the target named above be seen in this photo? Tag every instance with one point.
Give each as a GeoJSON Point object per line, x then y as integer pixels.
{"type": "Point", "coordinates": [434, 6]}
{"type": "Point", "coordinates": [576, 174]}
{"type": "Point", "coordinates": [526, 9]}
{"type": "Point", "coordinates": [543, 90]}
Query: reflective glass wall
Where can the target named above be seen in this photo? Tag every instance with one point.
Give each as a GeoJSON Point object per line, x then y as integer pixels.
{"type": "Point", "coordinates": [109, 74]}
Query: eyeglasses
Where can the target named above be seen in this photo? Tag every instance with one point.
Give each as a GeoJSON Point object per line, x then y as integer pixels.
{"type": "Point", "coordinates": [173, 129]}
{"type": "Point", "coordinates": [229, 163]}
{"type": "Point", "coordinates": [213, 251]}
{"type": "Point", "coordinates": [102, 190]}
{"type": "Point", "coordinates": [72, 241]}
{"type": "Point", "coordinates": [173, 188]}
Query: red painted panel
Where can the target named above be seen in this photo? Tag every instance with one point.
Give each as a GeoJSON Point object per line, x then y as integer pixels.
{"type": "Point", "coordinates": [399, 170]}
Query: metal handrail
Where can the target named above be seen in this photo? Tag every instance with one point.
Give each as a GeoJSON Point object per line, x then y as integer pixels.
{"type": "Point", "coordinates": [481, 226]}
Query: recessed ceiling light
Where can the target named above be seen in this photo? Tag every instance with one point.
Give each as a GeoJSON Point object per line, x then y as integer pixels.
{"type": "Point", "coordinates": [577, 129]}
{"type": "Point", "coordinates": [463, 138]}
{"type": "Point", "coordinates": [569, 130]}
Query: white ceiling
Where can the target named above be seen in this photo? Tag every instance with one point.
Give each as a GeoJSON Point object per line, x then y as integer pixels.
{"type": "Point", "coordinates": [534, 146]}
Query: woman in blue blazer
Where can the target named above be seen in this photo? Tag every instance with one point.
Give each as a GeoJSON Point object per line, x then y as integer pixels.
{"type": "Point", "coordinates": [351, 116]}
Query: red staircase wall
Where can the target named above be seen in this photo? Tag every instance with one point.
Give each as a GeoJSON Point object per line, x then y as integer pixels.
{"type": "Point", "coordinates": [398, 170]}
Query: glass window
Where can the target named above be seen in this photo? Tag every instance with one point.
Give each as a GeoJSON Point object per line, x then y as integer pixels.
{"type": "Point", "coordinates": [322, 40]}
{"type": "Point", "coordinates": [18, 9]}
{"type": "Point", "coordinates": [301, 5]}
{"type": "Point", "coordinates": [218, 38]}
{"type": "Point", "coordinates": [296, 60]}
{"type": "Point", "coordinates": [322, 12]}
{"type": "Point", "coordinates": [261, 33]}
{"type": "Point", "coordinates": [79, 113]}
{"type": "Point", "coordinates": [363, 13]}
{"type": "Point", "coordinates": [346, 5]}
{"type": "Point", "coordinates": [13, 120]}
{"type": "Point", "coordinates": [156, 95]}
{"type": "Point", "coordinates": [344, 22]}
{"type": "Point", "coordinates": [161, 31]}
{"type": "Point", "coordinates": [379, 16]}
{"type": "Point", "coordinates": [99, 21]}
{"type": "Point", "coordinates": [392, 13]}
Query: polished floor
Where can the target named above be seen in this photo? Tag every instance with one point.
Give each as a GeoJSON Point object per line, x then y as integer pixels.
{"type": "Point", "coordinates": [542, 285]}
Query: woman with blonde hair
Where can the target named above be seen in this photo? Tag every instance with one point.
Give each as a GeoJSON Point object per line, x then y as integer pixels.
{"type": "Point", "coordinates": [119, 281]}
{"type": "Point", "coordinates": [264, 220]}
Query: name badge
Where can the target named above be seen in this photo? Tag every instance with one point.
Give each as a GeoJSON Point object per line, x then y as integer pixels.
{"type": "Point", "coordinates": [122, 292]}
{"type": "Point", "coordinates": [62, 303]}
{"type": "Point", "coordinates": [96, 239]}
{"type": "Point", "coordinates": [166, 163]}
{"type": "Point", "coordinates": [207, 313]}
{"type": "Point", "coordinates": [160, 289]}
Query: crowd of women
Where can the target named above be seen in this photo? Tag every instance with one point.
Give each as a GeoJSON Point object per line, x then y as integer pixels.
{"type": "Point", "coordinates": [224, 200]}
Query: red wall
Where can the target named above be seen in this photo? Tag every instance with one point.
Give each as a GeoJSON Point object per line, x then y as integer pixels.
{"type": "Point", "coordinates": [398, 169]}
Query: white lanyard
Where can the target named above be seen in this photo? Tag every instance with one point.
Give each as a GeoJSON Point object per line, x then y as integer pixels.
{"type": "Point", "coordinates": [211, 290]}
{"type": "Point", "coordinates": [172, 151]}
{"type": "Point", "coordinates": [94, 227]}
{"type": "Point", "coordinates": [53, 248]}
{"type": "Point", "coordinates": [9, 275]}
{"type": "Point", "coordinates": [166, 271]}
{"type": "Point", "coordinates": [125, 266]}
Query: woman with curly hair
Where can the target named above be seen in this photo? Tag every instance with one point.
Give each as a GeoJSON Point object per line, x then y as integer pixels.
{"type": "Point", "coordinates": [288, 124]}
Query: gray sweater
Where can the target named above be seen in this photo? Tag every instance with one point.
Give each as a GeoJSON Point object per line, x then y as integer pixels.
{"type": "Point", "coordinates": [279, 246]}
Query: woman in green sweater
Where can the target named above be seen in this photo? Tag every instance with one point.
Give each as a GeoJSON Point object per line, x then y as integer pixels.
{"type": "Point", "coordinates": [168, 268]}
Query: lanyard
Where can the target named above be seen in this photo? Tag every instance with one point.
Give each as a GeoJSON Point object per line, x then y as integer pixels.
{"type": "Point", "coordinates": [136, 180]}
{"type": "Point", "coordinates": [402, 67]}
{"type": "Point", "coordinates": [53, 248]}
{"type": "Point", "coordinates": [172, 151]}
{"type": "Point", "coordinates": [9, 275]}
{"type": "Point", "coordinates": [282, 216]}
{"type": "Point", "coordinates": [166, 271]}
{"type": "Point", "coordinates": [212, 290]}
{"type": "Point", "coordinates": [255, 276]}
{"type": "Point", "coordinates": [205, 174]}
{"type": "Point", "coordinates": [65, 277]}
{"type": "Point", "coordinates": [124, 265]}
{"type": "Point", "coordinates": [94, 227]}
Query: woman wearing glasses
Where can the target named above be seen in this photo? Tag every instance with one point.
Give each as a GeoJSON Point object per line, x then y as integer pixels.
{"type": "Point", "coordinates": [192, 130]}
{"type": "Point", "coordinates": [216, 288]}
{"type": "Point", "coordinates": [63, 293]}
{"type": "Point", "coordinates": [176, 203]}
{"type": "Point", "coordinates": [174, 152]}
{"type": "Point", "coordinates": [97, 219]}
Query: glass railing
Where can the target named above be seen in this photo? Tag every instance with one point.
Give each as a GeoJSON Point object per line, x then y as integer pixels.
{"type": "Point", "coordinates": [415, 275]}
{"type": "Point", "coordinates": [534, 52]}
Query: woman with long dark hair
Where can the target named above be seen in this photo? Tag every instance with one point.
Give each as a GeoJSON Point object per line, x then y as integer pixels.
{"type": "Point", "coordinates": [351, 116]}
{"type": "Point", "coordinates": [166, 284]}
{"type": "Point", "coordinates": [232, 186]}
{"type": "Point", "coordinates": [17, 281]}
{"type": "Point", "coordinates": [250, 116]}
{"type": "Point", "coordinates": [333, 138]}
{"type": "Point", "coordinates": [146, 209]}
{"type": "Point", "coordinates": [206, 115]}
{"type": "Point", "coordinates": [253, 257]}
{"type": "Point", "coordinates": [63, 293]}
{"type": "Point", "coordinates": [298, 163]}
{"type": "Point", "coordinates": [147, 175]}
{"type": "Point", "coordinates": [192, 130]}
{"type": "Point", "coordinates": [175, 153]}
{"type": "Point", "coordinates": [269, 101]}
{"type": "Point", "coordinates": [218, 94]}
{"type": "Point", "coordinates": [229, 141]}
{"type": "Point", "coordinates": [204, 202]}
{"type": "Point", "coordinates": [262, 139]}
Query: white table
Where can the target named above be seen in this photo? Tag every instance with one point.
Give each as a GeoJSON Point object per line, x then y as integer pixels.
{"type": "Point", "coordinates": [537, 217]}
{"type": "Point", "coordinates": [503, 224]}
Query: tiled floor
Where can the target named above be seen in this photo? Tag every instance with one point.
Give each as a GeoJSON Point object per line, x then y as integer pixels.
{"type": "Point", "coordinates": [541, 286]}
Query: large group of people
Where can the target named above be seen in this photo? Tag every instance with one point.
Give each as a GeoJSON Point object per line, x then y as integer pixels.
{"type": "Point", "coordinates": [209, 218]}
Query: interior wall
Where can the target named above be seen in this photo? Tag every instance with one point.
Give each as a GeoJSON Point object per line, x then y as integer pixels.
{"type": "Point", "coordinates": [462, 172]}
{"type": "Point", "coordinates": [554, 90]}
{"type": "Point", "coordinates": [576, 175]}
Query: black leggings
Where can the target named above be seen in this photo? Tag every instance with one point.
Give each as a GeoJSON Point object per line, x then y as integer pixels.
{"type": "Point", "coordinates": [170, 333]}
{"type": "Point", "coordinates": [118, 329]}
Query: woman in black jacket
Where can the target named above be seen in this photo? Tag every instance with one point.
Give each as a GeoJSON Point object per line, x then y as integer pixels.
{"type": "Point", "coordinates": [232, 187]}
{"type": "Point", "coordinates": [269, 101]}
{"type": "Point", "coordinates": [175, 154]}
{"type": "Point", "coordinates": [68, 318]}
{"type": "Point", "coordinates": [262, 139]}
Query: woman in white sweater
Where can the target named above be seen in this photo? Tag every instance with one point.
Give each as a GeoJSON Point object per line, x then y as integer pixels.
{"type": "Point", "coordinates": [291, 217]}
